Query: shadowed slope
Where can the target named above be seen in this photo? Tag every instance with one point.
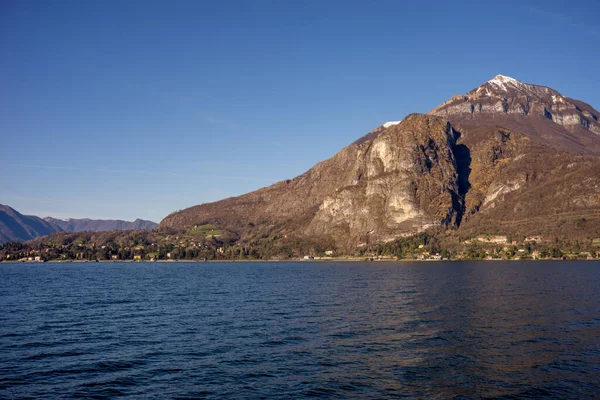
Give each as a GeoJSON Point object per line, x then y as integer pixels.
{"type": "Point", "coordinates": [15, 226]}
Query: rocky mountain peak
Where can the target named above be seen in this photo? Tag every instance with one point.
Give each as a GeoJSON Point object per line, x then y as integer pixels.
{"type": "Point", "coordinates": [502, 82]}
{"type": "Point", "coordinates": [505, 87]}
{"type": "Point", "coordinates": [542, 112]}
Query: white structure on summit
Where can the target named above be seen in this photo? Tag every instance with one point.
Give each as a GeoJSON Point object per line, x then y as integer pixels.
{"type": "Point", "coordinates": [391, 123]}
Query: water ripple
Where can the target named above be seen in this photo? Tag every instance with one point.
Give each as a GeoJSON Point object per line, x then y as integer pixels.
{"type": "Point", "coordinates": [290, 330]}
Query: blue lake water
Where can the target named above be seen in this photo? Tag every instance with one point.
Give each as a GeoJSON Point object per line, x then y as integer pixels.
{"type": "Point", "coordinates": [293, 330]}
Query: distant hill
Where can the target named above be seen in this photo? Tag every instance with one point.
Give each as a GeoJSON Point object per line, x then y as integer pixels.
{"type": "Point", "coordinates": [100, 225]}
{"type": "Point", "coordinates": [15, 226]}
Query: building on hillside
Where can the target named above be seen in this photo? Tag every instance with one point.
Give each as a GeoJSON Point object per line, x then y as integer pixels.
{"type": "Point", "coordinates": [533, 239]}
{"type": "Point", "coordinates": [492, 239]}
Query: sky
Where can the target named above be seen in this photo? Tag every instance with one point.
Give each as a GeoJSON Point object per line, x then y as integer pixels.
{"type": "Point", "coordinates": [135, 109]}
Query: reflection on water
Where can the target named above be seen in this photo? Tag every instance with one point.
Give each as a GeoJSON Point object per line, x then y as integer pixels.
{"type": "Point", "coordinates": [370, 330]}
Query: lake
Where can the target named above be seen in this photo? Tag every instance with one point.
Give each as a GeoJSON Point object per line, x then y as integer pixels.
{"type": "Point", "coordinates": [300, 329]}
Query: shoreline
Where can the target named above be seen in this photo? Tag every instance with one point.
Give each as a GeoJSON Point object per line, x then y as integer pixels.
{"type": "Point", "coordinates": [350, 260]}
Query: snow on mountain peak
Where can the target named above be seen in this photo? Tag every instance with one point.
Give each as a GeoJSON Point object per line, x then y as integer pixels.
{"type": "Point", "coordinates": [504, 78]}
{"type": "Point", "coordinates": [501, 82]}
{"type": "Point", "coordinates": [391, 123]}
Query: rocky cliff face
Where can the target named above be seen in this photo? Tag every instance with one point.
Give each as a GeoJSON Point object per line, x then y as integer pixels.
{"type": "Point", "coordinates": [403, 181]}
{"type": "Point", "coordinates": [397, 180]}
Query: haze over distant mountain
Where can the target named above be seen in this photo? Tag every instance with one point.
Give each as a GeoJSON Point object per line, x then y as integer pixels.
{"type": "Point", "coordinates": [507, 157]}
{"type": "Point", "coordinates": [15, 226]}
{"type": "Point", "coordinates": [100, 225]}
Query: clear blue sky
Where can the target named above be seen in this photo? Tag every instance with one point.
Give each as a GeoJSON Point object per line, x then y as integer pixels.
{"type": "Point", "coordinates": [126, 109]}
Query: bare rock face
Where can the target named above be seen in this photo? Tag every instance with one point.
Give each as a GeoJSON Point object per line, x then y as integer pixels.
{"type": "Point", "coordinates": [405, 181]}
{"type": "Point", "coordinates": [397, 180]}
{"type": "Point", "coordinates": [538, 111]}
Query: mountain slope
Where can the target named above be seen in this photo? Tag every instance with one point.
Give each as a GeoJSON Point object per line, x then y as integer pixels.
{"type": "Point", "coordinates": [395, 181]}
{"type": "Point", "coordinates": [100, 225]}
{"type": "Point", "coordinates": [15, 226]}
{"type": "Point", "coordinates": [507, 157]}
{"type": "Point", "coordinates": [534, 165]}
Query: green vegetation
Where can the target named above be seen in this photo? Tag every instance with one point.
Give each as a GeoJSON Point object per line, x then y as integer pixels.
{"type": "Point", "coordinates": [212, 243]}
{"type": "Point", "coordinates": [207, 230]}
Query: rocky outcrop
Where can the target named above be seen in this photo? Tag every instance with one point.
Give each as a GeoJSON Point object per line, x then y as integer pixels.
{"type": "Point", "coordinates": [405, 181]}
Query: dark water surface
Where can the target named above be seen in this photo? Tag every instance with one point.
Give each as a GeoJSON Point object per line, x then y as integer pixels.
{"type": "Point", "coordinates": [291, 330]}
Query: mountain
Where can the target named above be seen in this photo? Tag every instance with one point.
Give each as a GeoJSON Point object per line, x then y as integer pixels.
{"type": "Point", "coordinates": [535, 166]}
{"type": "Point", "coordinates": [507, 157]}
{"type": "Point", "coordinates": [397, 180]}
{"type": "Point", "coordinates": [15, 226]}
{"type": "Point", "coordinates": [539, 112]}
{"type": "Point", "coordinates": [99, 225]}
